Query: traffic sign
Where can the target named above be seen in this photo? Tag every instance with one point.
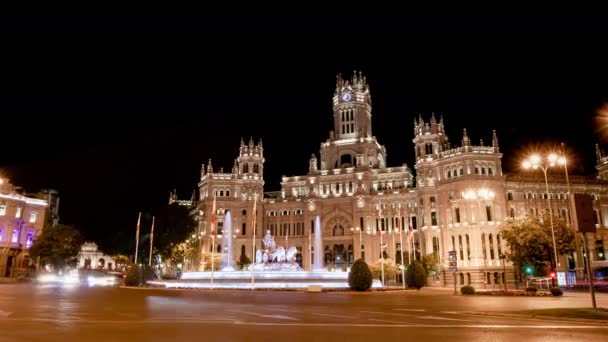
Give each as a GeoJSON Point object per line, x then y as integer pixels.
{"type": "Point", "coordinates": [453, 260]}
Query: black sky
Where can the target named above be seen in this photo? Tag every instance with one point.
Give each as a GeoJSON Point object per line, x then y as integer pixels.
{"type": "Point", "coordinates": [114, 112]}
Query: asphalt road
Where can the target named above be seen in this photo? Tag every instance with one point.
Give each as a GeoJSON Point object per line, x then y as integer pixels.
{"type": "Point", "coordinates": [55, 313]}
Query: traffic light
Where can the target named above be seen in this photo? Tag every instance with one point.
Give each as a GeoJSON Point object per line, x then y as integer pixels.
{"type": "Point", "coordinates": [529, 270]}
{"type": "Point", "coordinates": [552, 275]}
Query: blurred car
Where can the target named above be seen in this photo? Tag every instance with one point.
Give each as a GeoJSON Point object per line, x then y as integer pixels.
{"type": "Point", "coordinates": [101, 277]}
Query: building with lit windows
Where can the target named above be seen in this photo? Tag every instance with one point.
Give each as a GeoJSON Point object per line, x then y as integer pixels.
{"type": "Point", "coordinates": [457, 201]}
{"type": "Point", "coordinates": [22, 218]}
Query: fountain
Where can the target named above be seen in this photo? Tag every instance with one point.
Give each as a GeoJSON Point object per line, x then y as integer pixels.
{"type": "Point", "coordinates": [227, 260]}
{"type": "Point", "coordinates": [318, 261]}
{"type": "Point", "coordinates": [273, 267]}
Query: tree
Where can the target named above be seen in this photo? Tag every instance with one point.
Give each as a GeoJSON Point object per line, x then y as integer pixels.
{"type": "Point", "coordinates": [174, 224]}
{"type": "Point", "coordinates": [390, 269]}
{"type": "Point", "coordinates": [360, 277]}
{"type": "Point", "coordinates": [415, 275]}
{"type": "Point", "coordinates": [430, 262]}
{"type": "Point", "coordinates": [244, 261]}
{"type": "Point", "coordinates": [530, 241]}
{"type": "Point", "coordinates": [57, 246]}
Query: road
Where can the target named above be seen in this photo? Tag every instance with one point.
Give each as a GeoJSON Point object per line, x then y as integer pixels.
{"type": "Point", "coordinates": [55, 313]}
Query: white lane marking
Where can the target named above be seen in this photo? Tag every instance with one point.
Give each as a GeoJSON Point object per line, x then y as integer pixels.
{"type": "Point", "coordinates": [416, 310]}
{"type": "Point", "coordinates": [386, 321]}
{"type": "Point", "coordinates": [276, 309]}
{"type": "Point", "coordinates": [340, 316]}
{"type": "Point", "coordinates": [416, 316]}
{"type": "Point", "coordinates": [265, 316]}
{"type": "Point", "coordinates": [354, 325]}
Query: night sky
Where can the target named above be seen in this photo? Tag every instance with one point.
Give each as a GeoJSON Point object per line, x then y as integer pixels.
{"type": "Point", "coordinates": [115, 112]}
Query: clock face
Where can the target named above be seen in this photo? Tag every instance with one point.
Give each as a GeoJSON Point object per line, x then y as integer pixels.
{"type": "Point", "coordinates": [346, 97]}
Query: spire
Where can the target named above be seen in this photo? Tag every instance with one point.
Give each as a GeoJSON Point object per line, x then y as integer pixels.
{"type": "Point", "coordinates": [441, 120]}
{"type": "Point", "coordinates": [598, 154]}
{"type": "Point", "coordinates": [494, 140]}
{"type": "Point", "coordinates": [235, 168]}
{"type": "Point", "coordinates": [209, 167]}
{"type": "Point", "coordinates": [193, 198]}
{"type": "Point", "coordinates": [260, 143]}
{"type": "Point", "coordinates": [202, 170]}
{"type": "Point", "coordinates": [251, 142]}
{"type": "Point", "coordinates": [433, 120]}
{"type": "Point", "coordinates": [465, 139]}
{"type": "Point", "coordinates": [242, 142]}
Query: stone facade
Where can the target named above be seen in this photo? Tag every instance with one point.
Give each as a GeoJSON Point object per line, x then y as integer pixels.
{"type": "Point", "coordinates": [457, 202]}
{"type": "Point", "coordinates": [22, 218]}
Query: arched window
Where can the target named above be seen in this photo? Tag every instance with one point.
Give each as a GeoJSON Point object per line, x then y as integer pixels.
{"type": "Point", "coordinates": [460, 170]}
{"type": "Point", "coordinates": [246, 168]}
{"type": "Point", "coordinates": [453, 243]}
{"type": "Point", "coordinates": [256, 168]}
{"type": "Point", "coordinates": [227, 193]}
{"type": "Point", "coordinates": [219, 249]}
{"type": "Point", "coordinates": [449, 173]}
{"type": "Point", "coordinates": [461, 276]}
{"type": "Point", "coordinates": [490, 171]}
{"type": "Point", "coordinates": [244, 228]}
{"type": "Point", "coordinates": [476, 170]}
{"type": "Point", "coordinates": [483, 170]}
{"type": "Point", "coordinates": [361, 223]}
{"type": "Point", "coordinates": [498, 245]}
{"type": "Point", "coordinates": [468, 278]}
{"type": "Point", "coordinates": [244, 212]}
{"type": "Point", "coordinates": [221, 193]}
{"type": "Point", "coordinates": [460, 247]}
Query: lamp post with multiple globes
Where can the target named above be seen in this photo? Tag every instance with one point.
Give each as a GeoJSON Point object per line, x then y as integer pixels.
{"type": "Point", "coordinates": [535, 162]}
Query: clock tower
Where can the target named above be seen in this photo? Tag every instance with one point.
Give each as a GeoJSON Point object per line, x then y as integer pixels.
{"type": "Point", "coordinates": [351, 143]}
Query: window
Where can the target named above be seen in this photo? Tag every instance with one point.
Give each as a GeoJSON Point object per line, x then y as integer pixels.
{"type": "Point", "coordinates": [483, 245]}
{"type": "Point", "coordinates": [460, 171]}
{"type": "Point", "coordinates": [227, 193]}
{"type": "Point", "coordinates": [476, 170]}
{"type": "Point", "coordinates": [460, 247]}
{"type": "Point", "coordinates": [432, 199]}
{"type": "Point", "coordinates": [15, 237]}
{"type": "Point", "coordinates": [244, 212]}
{"type": "Point", "coordinates": [457, 214]}
{"type": "Point", "coordinates": [29, 239]}
{"type": "Point", "coordinates": [18, 213]}
{"type": "Point", "coordinates": [596, 217]}
{"type": "Point", "coordinates": [256, 168]}
{"type": "Point", "coordinates": [509, 196]}
{"type": "Point", "coordinates": [491, 242]}
{"type": "Point", "coordinates": [244, 228]}
{"type": "Point", "coordinates": [490, 171]}
{"type": "Point", "coordinates": [33, 217]}
{"type": "Point", "coordinates": [361, 223]}
{"type": "Point", "coordinates": [246, 168]}
{"type": "Point", "coordinates": [489, 212]}
{"type": "Point", "coordinates": [468, 247]}
{"type": "Point", "coordinates": [2, 210]}
{"type": "Point", "coordinates": [433, 218]}
{"type": "Point", "coordinates": [498, 245]}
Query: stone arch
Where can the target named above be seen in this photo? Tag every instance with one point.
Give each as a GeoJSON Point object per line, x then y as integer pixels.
{"type": "Point", "coordinates": [337, 217]}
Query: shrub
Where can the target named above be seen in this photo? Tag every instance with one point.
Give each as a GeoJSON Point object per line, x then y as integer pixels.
{"type": "Point", "coordinates": [556, 291]}
{"type": "Point", "coordinates": [148, 274]}
{"type": "Point", "coordinates": [133, 276]}
{"type": "Point", "coordinates": [360, 277]}
{"type": "Point", "coordinates": [531, 289]}
{"type": "Point", "coordinates": [243, 261]}
{"type": "Point", "coordinates": [467, 290]}
{"type": "Point", "coordinates": [416, 275]}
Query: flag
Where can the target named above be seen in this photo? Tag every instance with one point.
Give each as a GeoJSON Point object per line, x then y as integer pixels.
{"type": "Point", "coordinates": [378, 232]}
{"type": "Point", "coordinates": [213, 218]}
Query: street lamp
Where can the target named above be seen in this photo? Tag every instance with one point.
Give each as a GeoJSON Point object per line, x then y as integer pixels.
{"type": "Point", "coordinates": [537, 162]}
{"type": "Point", "coordinates": [360, 240]}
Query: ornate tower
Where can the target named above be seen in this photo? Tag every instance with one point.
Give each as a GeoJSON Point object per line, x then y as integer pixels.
{"type": "Point", "coordinates": [429, 137]}
{"type": "Point", "coordinates": [250, 168]}
{"type": "Point", "coordinates": [351, 143]}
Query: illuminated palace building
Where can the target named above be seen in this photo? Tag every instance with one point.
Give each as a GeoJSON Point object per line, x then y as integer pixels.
{"type": "Point", "coordinates": [22, 218]}
{"type": "Point", "coordinates": [457, 202]}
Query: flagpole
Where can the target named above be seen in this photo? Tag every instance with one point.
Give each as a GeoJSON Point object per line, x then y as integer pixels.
{"type": "Point", "coordinates": [255, 198]}
{"type": "Point", "coordinates": [213, 218]}
{"type": "Point", "coordinates": [381, 247]}
{"type": "Point", "coordinates": [409, 241]}
{"type": "Point", "coordinates": [137, 238]}
{"type": "Point", "coordinates": [401, 247]}
{"type": "Point", "coordinates": [151, 241]}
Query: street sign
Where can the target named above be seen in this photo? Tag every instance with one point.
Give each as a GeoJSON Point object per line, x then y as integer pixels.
{"type": "Point", "coordinates": [453, 260]}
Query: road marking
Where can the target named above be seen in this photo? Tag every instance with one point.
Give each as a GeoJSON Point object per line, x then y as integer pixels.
{"type": "Point", "coordinates": [386, 321]}
{"type": "Point", "coordinates": [354, 325]}
{"type": "Point", "coordinates": [265, 316]}
{"type": "Point", "coordinates": [276, 309]}
{"type": "Point", "coordinates": [416, 310]}
{"type": "Point", "coordinates": [340, 316]}
{"type": "Point", "coordinates": [415, 316]}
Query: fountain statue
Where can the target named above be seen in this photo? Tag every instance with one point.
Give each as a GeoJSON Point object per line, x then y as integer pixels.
{"type": "Point", "coordinates": [318, 251]}
{"type": "Point", "coordinates": [273, 258]}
